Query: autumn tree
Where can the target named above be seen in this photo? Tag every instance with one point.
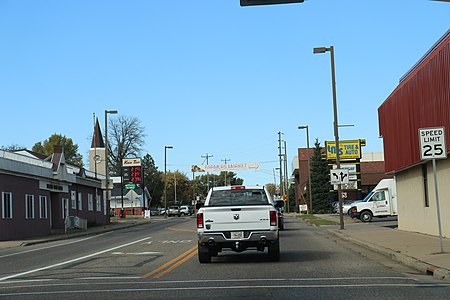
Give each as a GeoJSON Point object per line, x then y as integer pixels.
{"type": "Point", "coordinates": [271, 188]}
{"type": "Point", "coordinates": [71, 154]}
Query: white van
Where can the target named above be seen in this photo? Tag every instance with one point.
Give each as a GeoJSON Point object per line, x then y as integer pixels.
{"type": "Point", "coordinates": [380, 202]}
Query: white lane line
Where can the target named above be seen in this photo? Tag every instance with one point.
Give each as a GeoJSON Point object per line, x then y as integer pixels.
{"type": "Point", "coordinates": [59, 245]}
{"type": "Point", "coordinates": [54, 282]}
{"type": "Point", "coordinates": [71, 261]}
{"type": "Point", "coordinates": [245, 287]}
{"type": "Point", "coordinates": [137, 253]}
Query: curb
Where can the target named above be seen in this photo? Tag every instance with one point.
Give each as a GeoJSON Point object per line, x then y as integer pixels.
{"type": "Point", "coordinates": [424, 268]}
{"type": "Point", "coordinates": [79, 234]}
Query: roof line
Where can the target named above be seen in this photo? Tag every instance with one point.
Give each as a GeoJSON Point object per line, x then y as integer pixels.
{"type": "Point", "coordinates": [431, 50]}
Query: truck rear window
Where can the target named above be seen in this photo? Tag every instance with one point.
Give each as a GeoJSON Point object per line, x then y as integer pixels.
{"type": "Point", "coordinates": [238, 197]}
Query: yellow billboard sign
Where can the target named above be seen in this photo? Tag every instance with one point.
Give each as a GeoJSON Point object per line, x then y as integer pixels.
{"type": "Point", "coordinates": [347, 149]}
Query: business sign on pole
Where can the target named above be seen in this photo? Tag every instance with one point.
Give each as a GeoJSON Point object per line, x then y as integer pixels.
{"type": "Point", "coordinates": [432, 143]}
{"type": "Point", "coordinates": [131, 162]}
{"type": "Point", "coordinates": [132, 171]}
{"type": "Point", "coordinates": [347, 149]}
{"type": "Point", "coordinates": [352, 171]}
{"type": "Point", "coordinates": [351, 185]}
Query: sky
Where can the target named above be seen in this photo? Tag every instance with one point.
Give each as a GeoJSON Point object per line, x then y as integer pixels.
{"type": "Point", "coordinates": [208, 77]}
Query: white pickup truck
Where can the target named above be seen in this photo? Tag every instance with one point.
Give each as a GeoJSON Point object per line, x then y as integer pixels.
{"type": "Point", "coordinates": [238, 218]}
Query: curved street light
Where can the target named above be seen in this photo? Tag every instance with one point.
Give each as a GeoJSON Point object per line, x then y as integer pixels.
{"type": "Point", "coordinates": [335, 124]}
{"type": "Point", "coordinates": [165, 178]}
{"type": "Point", "coordinates": [111, 112]}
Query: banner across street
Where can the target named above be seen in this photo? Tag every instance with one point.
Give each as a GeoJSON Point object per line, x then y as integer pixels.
{"type": "Point", "coordinates": [225, 167]}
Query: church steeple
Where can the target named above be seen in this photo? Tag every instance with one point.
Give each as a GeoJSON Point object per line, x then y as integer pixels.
{"type": "Point", "coordinates": [97, 138]}
{"type": "Point", "coordinates": [97, 151]}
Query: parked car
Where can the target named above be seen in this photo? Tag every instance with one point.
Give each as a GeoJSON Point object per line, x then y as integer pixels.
{"type": "Point", "coordinates": [173, 211]}
{"type": "Point", "coordinates": [186, 210]}
{"type": "Point", "coordinates": [280, 218]}
{"type": "Point", "coordinates": [346, 205]}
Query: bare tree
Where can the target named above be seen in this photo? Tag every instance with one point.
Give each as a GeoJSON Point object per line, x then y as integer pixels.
{"type": "Point", "coordinates": [125, 140]}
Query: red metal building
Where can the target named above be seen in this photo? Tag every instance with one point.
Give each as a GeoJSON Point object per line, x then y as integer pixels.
{"type": "Point", "coordinates": [421, 100]}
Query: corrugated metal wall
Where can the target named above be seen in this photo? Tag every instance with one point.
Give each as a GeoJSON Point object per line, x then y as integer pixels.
{"type": "Point", "coordinates": [421, 100]}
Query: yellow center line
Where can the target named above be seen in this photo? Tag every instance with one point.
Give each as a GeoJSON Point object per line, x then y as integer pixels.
{"type": "Point", "coordinates": [181, 229]}
{"type": "Point", "coordinates": [193, 253]}
{"type": "Point", "coordinates": [189, 253]}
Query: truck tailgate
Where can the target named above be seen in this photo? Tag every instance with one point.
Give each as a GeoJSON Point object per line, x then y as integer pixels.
{"type": "Point", "coordinates": [231, 218]}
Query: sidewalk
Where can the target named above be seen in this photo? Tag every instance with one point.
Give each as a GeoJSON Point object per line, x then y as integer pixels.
{"type": "Point", "coordinates": [115, 224]}
{"type": "Point", "coordinates": [416, 250]}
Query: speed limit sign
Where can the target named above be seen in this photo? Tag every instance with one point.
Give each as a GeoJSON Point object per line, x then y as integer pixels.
{"type": "Point", "coordinates": [432, 143]}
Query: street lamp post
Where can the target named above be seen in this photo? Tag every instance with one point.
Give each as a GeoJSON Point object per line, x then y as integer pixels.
{"type": "Point", "coordinates": [335, 125]}
{"type": "Point", "coordinates": [275, 179]}
{"type": "Point", "coordinates": [309, 166]}
{"type": "Point", "coordinates": [165, 178]}
{"type": "Point", "coordinates": [112, 112]}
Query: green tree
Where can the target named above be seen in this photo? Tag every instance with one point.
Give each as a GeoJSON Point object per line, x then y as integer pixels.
{"type": "Point", "coordinates": [152, 180]}
{"type": "Point", "coordinates": [201, 182]}
{"type": "Point", "coordinates": [291, 195]}
{"type": "Point", "coordinates": [183, 187]}
{"type": "Point", "coordinates": [70, 149]}
{"type": "Point", "coordinates": [320, 177]}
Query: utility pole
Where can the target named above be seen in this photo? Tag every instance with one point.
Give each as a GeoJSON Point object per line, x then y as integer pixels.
{"type": "Point", "coordinates": [286, 182]}
{"type": "Point", "coordinates": [207, 173]}
{"type": "Point", "coordinates": [226, 173]}
{"type": "Point", "coordinates": [175, 186]}
{"type": "Point", "coordinates": [281, 162]}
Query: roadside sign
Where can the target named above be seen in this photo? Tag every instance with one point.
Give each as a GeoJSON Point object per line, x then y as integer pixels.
{"type": "Point", "coordinates": [432, 143]}
{"type": "Point", "coordinates": [339, 176]}
{"type": "Point", "coordinates": [130, 186]}
{"type": "Point", "coordinates": [432, 146]}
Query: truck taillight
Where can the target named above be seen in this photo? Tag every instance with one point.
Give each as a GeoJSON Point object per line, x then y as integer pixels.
{"type": "Point", "coordinates": [273, 218]}
{"type": "Point", "coordinates": [238, 187]}
{"type": "Point", "coordinates": [199, 220]}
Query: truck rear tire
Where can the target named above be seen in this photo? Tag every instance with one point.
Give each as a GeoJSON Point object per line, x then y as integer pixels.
{"type": "Point", "coordinates": [274, 251]}
{"type": "Point", "coordinates": [366, 216]}
{"type": "Point", "coordinates": [204, 256]}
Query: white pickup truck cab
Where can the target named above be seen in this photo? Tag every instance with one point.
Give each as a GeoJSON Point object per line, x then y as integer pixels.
{"type": "Point", "coordinates": [380, 202]}
{"type": "Point", "coordinates": [238, 218]}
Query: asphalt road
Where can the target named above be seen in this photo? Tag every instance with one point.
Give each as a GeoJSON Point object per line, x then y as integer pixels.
{"type": "Point", "coordinates": [159, 260]}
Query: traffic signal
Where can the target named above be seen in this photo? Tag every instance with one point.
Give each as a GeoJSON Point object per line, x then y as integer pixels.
{"type": "Point", "coordinates": [264, 2]}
